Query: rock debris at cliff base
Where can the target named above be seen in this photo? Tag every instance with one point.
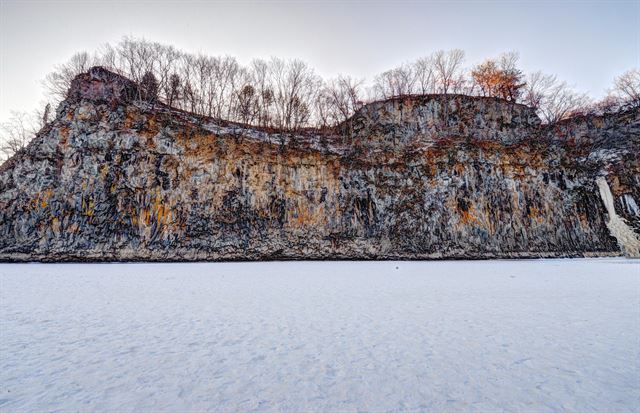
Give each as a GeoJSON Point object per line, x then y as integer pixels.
{"type": "Point", "coordinates": [437, 176]}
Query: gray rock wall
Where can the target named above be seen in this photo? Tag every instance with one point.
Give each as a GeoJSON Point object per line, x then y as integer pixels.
{"type": "Point", "coordinates": [418, 177]}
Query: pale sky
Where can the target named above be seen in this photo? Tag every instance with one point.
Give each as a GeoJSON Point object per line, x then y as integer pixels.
{"type": "Point", "coordinates": [586, 43]}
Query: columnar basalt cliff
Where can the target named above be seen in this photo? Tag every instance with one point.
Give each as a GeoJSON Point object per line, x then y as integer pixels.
{"type": "Point", "coordinates": [114, 178]}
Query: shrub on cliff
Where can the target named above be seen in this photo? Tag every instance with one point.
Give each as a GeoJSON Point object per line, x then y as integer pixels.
{"type": "Point", "coordinates": [149, 87]}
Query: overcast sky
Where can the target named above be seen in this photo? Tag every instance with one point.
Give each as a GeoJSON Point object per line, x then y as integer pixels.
{"type": "Point", "coordinates": [586, 43]}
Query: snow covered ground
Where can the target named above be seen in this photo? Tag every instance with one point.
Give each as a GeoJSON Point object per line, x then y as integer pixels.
{"type": "Point", "coordinates": [523, 336]}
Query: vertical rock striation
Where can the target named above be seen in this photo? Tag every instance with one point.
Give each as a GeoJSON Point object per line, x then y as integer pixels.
{"type": "Point", "coordinates": [113, 178]}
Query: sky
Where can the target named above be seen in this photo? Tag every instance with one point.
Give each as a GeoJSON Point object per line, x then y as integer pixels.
{"type": "Point", "coordinates": [586, 43]}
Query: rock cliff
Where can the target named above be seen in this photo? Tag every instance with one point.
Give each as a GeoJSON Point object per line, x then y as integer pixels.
{"type": "Point", "coordinates": [113, 178]}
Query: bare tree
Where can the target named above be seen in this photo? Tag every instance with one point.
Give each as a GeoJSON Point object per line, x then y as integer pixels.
{"type": "Point", "coordinates": [448, 67]}
{"type": "Point", "coordinates": [228, 74]}
{"type": "Point", "coordinates": [324, 108]}
{"type": "Point", "coordinates": [624, 94]}
{"type": "Point", "coordinates": [167, 58]}
{"type": "Point", "coordinates": [247, 105]}
{"type": "Point", "coordinates": [561, 102]}
{"type": "Point", "coordinates": [136, 57]}
{"type": "Point", "coordinates": [58, 81]}
{"type": "Point", "coordinates": [536, 88]}
{"type": "Point", "coordinates": [267, 97]}
{"type": "Point", "coordinates": [553, 100]}
{"type": "Point", "coordinates": [343, 95]}
{"type": "Point", "coordinates": [190, 98]}
{"type": "Point", "coordinates": [258, 74]}
{"type": "Point", "coordinates": [395, 82]}
{"type": "Point", "coordinates": [289, 95]}
{"type": "Point", "coordinates": [16, 133]}
{"type": "Point", "coordinates": [294, 86]}
{"type": "Point", "coordinates": [627, 86]}
{"type": "Point", "coordinates": [172, 89]}
{"type": "Point", "coordinates": [425, 75]}
{"type": "Point", "coordinates": [302, 85]}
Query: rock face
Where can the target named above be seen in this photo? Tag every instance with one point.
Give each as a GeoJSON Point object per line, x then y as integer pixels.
{"type": "Point", "coordinates": [113, 178]}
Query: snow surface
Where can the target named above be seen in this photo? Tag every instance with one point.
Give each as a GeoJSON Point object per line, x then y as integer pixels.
{"type": "Point", "coordinates": [524, 336]}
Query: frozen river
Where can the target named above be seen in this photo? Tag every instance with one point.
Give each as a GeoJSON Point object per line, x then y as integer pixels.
{"type": "Point", "coordinates": [524, 336]}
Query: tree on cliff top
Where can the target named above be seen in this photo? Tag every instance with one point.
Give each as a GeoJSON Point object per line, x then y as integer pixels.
{"type": "Point", "coordinates": [172, 90]}
{"type": "Point", "coordinates": [57, 82]}
{"type": "Point", "coordinates": [149, 87]}
{"type": "Point", "coordinates": [440, 72]}
{"type": "Point", "coordinates": [554, 100]}
{"type": "Point", "coordinates": [627, 87]}
{"type": "Point", "coordinates": [448, 69]}
{"type": "Point", "coordinates": [288, 94]}
{"type": "Point", "coordinates": [499, 77]}
{"type": "Point", "coordinates": [16, 133]}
